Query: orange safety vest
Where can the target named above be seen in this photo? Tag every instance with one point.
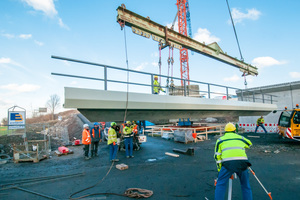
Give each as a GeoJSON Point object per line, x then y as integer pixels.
{"type": "Point", "coordinates": [93, 132]}
{"type": "Point", "coordinates": [86, 138]}
{"type": "Point", "coordinates": [135, 129]}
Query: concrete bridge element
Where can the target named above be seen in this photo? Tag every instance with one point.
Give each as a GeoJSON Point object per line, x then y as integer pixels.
{"type": "Point", "coordinates": [103, 105]}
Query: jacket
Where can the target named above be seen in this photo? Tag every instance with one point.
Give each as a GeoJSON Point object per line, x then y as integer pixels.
{"type": "Point", "coordinates": [112, 136]}
{"type": "Point", "coordinates": [127, 131]}
{"type": "Point", "coordinates": [156, 87]}
{"type": "Point", "coordinates": [86, 137]}
{"type": "Point", "coordinates": [231, 147]}
{"type": "Point", "coordinates": [96, 134]}
{"type": "Point", "coordinates": [260, 121]}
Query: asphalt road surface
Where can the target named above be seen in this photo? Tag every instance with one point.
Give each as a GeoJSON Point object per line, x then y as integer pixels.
{"type": "Point", "coordinates": [276, 162]}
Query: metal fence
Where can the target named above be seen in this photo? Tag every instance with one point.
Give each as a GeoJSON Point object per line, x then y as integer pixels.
{"type": "Point", "coordinates": [190, 88]}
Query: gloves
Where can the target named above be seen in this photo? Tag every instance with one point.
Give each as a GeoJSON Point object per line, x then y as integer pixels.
{"type": "Point", "coordinates": [114, 143]}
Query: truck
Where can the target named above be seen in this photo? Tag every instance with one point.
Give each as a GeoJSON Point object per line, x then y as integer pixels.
{"type": "Point", "coordinates": [289, 123]}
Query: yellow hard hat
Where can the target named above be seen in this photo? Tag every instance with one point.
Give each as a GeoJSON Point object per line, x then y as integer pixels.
{"type": "Point", "coordinates": [155, 76]}
{"type": "Point", "coordinates": [230, 127]}
{"type": "Point", "coordinates": [128, 122]}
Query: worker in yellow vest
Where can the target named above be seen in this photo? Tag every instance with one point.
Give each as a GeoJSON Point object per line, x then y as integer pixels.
{"type": "Point", "coordinates": [156, 86]}
{"type": "Point", "coordinates": [128, 139]}
{"type": "Point", "coordinates": [231, 158]}
{"type": "Point", "coordinates": [112, 142]}
{"type": "Point", "coordinates": [260, 122]}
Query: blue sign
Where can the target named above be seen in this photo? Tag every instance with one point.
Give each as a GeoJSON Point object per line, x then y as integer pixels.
{"type": "Point", "coordinates": [16, 119]}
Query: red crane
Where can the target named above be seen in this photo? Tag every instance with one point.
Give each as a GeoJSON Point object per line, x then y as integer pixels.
{"type": "Point", "coordinates": [182, 28]}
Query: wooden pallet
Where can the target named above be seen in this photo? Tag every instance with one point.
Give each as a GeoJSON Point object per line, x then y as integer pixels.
{"type": "Point", "coordinates": [58, 153]}
{"type": "Point", "coordinates": [35, 160]}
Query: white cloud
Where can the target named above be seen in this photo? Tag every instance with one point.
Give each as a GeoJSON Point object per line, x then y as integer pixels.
{"type": "Point", "coordinates": [73, 83]}
{"type": "Point", "coordinates": [20, 88]}
{"type": "Point", "coordinates": [5, 60]}
{"type": "Point", "coordinates": [25, 36]}
{"type": "Point", "coordinates": [155, 64]}
{"type": "Point", "coordinates": [203, 35]}
{"type": "Point", "coordinates": [239, 16]}
{"type": "Point", "coordinates": [46, 6]}
{"type": "Point", "coordinates": [38, 43]}
{"type": "Point", "coordinates": [155, 54]}
{"type": "Point", "coordinates": [62, 25]}
{"type": "Point", "coordinates": [233, 78]}
{"type": "Point", "coordinates": [7, 35]}
{"type": "Point", "coordinates": [295, 74]}
{"type": "Point", "coordinates": [141, 66]}
{"type": "Point", "coordinates": [267, 61]}
{"type": "Point", "coordinates": [175, 26]}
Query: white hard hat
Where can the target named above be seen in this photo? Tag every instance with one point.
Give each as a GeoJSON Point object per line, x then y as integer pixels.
{"type": "Point", "coordinates": [85, 125]}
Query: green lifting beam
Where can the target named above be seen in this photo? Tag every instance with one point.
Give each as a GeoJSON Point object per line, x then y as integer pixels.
{"type": "Point", "coordinates": [147, 28]}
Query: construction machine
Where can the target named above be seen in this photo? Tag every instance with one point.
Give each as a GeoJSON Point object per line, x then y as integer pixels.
{"type": "Point", "coordinates": [289, 123]}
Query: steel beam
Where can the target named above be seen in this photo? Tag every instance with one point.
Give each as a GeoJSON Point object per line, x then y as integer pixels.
{"type": "Point", "coordinates": [147, 28]}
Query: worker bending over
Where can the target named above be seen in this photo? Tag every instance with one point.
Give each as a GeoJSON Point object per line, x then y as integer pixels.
{"type": "Point", "coordinates": [96, 137]}
{"type": "Point", "coordinates": [128, 139]}
{"type": "Point", "coordinates": [112, 142]}
{"type": "Point", "coordinates": [156, 86]}
{"type": "Point", "coordinates": [231, 158]}
{"type": "Point", "coordinates": [86, 140]}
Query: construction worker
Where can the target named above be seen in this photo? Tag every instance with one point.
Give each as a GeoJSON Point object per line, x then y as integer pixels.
{"type": "Point", "coordinates": [231, 158]}
{"type": "Point", "coordinates": [86, 140]}
{"type": "Point", "coordinates": [112, 142]}
{"type": "Point", "coordinates": [260, 122]}
{"type": "Point", "coordinates": [96, 137]}
{"type": "Point", "coordinates": [128, 139]}
{"type": "Point", "coordinates": [156, 86]}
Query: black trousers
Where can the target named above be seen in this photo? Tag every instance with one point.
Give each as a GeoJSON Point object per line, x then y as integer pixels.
{"type": "Point", "coordinates": [86, 149]}
{"type": "Point", "coordinates": [94, 148]}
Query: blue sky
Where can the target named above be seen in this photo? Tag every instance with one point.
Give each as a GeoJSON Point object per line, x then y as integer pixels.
{"type": "Point", "coordinates": [33, 30]}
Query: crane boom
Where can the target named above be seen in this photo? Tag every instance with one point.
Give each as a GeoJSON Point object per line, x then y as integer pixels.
{"type": "Point", "coordinates": [147, 28]}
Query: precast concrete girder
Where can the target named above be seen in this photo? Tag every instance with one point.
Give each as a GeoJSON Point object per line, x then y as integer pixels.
{"type": "Point", "coordinates": [147, 28]}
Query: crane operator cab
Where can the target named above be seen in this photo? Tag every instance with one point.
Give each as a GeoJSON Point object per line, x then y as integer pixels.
{"type": "Point", "coordinates": [289, 123]}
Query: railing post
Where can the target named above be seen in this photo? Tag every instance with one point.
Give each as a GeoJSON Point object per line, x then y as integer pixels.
{"type": "Point", "coordinates": [105, 78]}
{"type": "Point", "coordinates": [271, 99]}
{"type": "Point", "coordinates": [253, 96]}
{"type": "Point", "coordinates": [184, 85]}
{"type": "Point", "coordinates": [263, 97]}
{"type": "Point", "coordinates": [208, 90]}
{"type": "Point", "coordinates": [242, 96]}
{"type": "Point", "coordinates": [152, 89]}
{"type": "Point", "coordinates": [227, 93]}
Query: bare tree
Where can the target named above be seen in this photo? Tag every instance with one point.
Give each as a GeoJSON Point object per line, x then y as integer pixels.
{"type": "Point", "coordinates": [53, 103]}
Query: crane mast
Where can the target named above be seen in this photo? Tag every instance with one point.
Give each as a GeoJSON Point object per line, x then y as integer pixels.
{"type": "Point", "coordinates": [182, 28]}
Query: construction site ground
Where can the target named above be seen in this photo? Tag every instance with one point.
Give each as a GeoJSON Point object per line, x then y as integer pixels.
{"type": "Point", "coordinates": [275, 160]}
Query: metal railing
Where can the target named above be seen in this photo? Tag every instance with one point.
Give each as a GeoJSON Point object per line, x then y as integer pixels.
{"type": "Point", "coordinates": [185, 90]}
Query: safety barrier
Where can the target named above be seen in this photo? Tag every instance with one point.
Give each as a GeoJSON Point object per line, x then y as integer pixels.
{"type": "Point", "coordinates": [270, 127]}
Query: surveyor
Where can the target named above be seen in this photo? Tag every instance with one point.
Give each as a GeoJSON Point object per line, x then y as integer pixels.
{"type": "Point", "coordinates": [86, 140]}
{"type": "Point", "coordinates": [112, 142]}
{"type": "Point", "coordinates": [260, 122]}
{"type": "Point", "coordinates": [231, 158]}
{"type": "Point", "coordinates": [156, 86]}
{"type": "Point", "coordinates": [128, 139]}
{"type": "Point", "coordinates": [96, 137]}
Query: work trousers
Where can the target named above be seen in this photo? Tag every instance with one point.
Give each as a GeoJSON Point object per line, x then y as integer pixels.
{"type": "Point", "coordinates": [223, 178]}
{"type": "Point", "coordinates": [94, 148]}
{"type": "Point", "coordinates": [86, 149]}
{"type": "Point", "coordinates": [263, 127]}
{"type": "Point", "coordinates": [113, 151]}
{"type": "Point", "coordinates": [128, 141]}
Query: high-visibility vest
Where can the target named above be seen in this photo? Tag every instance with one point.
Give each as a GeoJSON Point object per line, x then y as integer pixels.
{"type": "Point", "coordinates": [93, 133]}
{"type": "Point", "coordinates": [230, 147]}
{"type": "Point", "coordinates": [112, 136]}
{"type": "Point", "coordinates": [86, 138]}
{"type": "Point", "coordinates": [156, 87]}
{"type": "Point", "coordinates": [260, 121]}
{"type": "Point", "coordinates": [127, 131]}
{"type": "Point", "coordinates": [135, 129]}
